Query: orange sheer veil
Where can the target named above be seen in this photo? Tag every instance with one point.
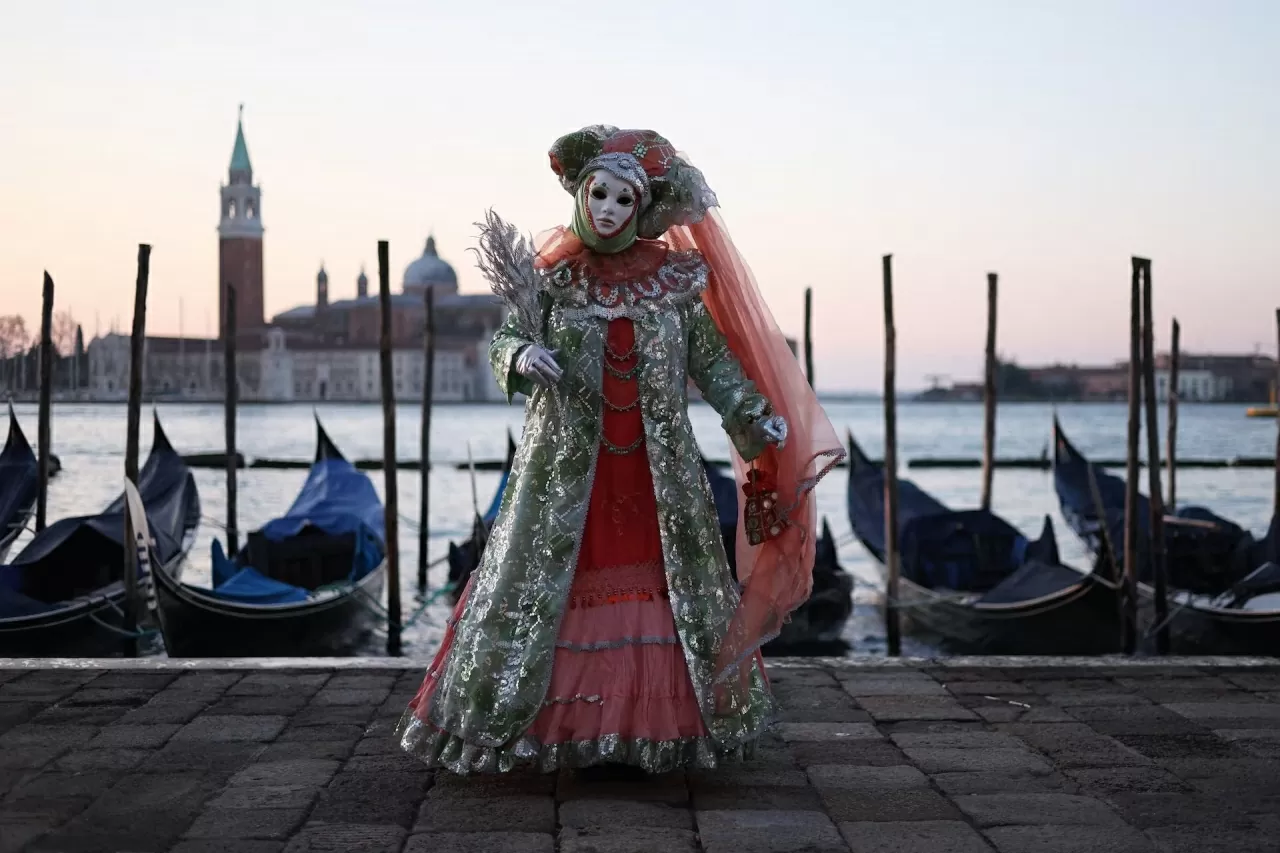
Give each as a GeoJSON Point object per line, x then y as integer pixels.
{"type": "Point", "coordinates": [777, 576]}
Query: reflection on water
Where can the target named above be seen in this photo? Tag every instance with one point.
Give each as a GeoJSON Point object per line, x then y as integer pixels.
{"type": "Point", "coordinates": [90, 440]}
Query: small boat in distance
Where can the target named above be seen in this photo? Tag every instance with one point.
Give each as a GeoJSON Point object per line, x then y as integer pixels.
{"type": "Point", "coordinates": [975, 582]}
{"type": "Point", "coordinates": [1224, 586]}
{"type": "Point", "coordinates": [465, 558]}
{"type": "Point", "coordinates": [307, 584]}
{"type": "Point", "coordinates": [19, 484]}
{"type": "Point", "coordinates": [63, 594]}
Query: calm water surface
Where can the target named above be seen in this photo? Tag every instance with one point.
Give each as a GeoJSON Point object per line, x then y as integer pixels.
{"type": "Point", "coordinates": [90, 440]}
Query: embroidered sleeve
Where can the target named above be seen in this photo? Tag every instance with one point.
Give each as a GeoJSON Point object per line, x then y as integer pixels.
{"type": "Point", "coordinates": [503, 349]}
{"type": "Point", "coordinates": [719, 376]}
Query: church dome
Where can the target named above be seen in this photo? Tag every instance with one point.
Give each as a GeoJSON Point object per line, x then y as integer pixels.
{"type": "Point", "coordinates": [430, 270]}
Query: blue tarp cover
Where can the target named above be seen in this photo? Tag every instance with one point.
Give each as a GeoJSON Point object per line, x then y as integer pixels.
{"type": "Point", "coordinates": [336, 499]}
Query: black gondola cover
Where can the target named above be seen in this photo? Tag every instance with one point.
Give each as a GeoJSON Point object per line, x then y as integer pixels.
{"type": "Point", "coordinates": [79, 556]}
{"type": "Point", "coordinates": [19, 483]}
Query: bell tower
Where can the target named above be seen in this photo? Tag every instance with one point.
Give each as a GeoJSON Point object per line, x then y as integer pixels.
{"type": "Point", "coordinates": [240, 239]}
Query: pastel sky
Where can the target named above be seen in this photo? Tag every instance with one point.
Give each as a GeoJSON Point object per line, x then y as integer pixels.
{"type": "Point", "coordinates": [1047, 141]}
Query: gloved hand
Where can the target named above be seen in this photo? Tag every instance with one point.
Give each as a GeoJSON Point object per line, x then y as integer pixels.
{"type": "Point", "coordinates": [772, 429]}
{"type": "Point", "coordinates": [538, 365]}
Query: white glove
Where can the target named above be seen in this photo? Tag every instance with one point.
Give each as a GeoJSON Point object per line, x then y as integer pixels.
{"type": "Point", "coordinates": [772, 430]}
{"type": "Point", "coordinates": [538, 365]}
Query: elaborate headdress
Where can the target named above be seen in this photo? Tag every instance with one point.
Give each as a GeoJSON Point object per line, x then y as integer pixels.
{"type": "Point", "coordinates": [672, 192]}
{"type": "Point", "coordinates": [676, 204]}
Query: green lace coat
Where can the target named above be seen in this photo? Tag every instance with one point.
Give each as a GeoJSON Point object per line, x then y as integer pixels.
{"type": "Point", "coordinates": [494, 681]}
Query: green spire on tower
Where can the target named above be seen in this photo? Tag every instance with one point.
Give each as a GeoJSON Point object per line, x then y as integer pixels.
{"type": "Point", "coordinates": [240, 153]}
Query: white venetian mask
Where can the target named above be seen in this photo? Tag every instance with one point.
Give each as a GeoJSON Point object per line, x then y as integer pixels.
{"type": "Point", "coordinates": [611, 202]}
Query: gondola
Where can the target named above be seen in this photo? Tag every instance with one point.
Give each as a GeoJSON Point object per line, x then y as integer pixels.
{"type": "Point", "coordinates": [815, 627]}
{"type": "Point", "coordinates": [463, 559]}
{"type": "Point", "coordinates": [1224, 586]}
{"type": "Point", "coordinates": [19, 483]}
{"type": "Point", "coordinates": [306, 584]}
{"type": "Point", "coordinates": [975, 583]}
{"type": "Point", "coordinates": [63, 595]}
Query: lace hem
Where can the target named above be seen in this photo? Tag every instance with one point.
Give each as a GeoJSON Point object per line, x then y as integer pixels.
{"type": "Point", "coordinates": [603, 645]}
{"type": "Point", "coordinates": [438, 748]}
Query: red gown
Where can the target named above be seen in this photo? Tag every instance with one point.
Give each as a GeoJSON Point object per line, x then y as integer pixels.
{"type": "Point", "coordinates": [619, 673]}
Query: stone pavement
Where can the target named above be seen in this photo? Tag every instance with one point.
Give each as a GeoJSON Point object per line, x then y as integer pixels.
{"type": "Point", "coordinates": [946, 756]}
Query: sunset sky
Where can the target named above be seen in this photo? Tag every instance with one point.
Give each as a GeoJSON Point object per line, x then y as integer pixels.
{"type": "Point", "coordinates": [1047, 141]}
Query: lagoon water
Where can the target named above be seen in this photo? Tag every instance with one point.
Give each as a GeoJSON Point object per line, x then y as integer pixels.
{"type": "Point", "coordinates": [90, 441]}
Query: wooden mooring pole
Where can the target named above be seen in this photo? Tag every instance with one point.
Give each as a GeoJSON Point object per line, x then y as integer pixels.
{"type": "Point", "coordinates": [1155, 500]}
{"type": "Point", "coordinates": [808, 335]}
{"type": "Point", "coordinates": [893, 633]}
{"type": "Point", "coordinates": [989, 396]}
{"type": "Point", "coordinates": [1171, 436]}
{"type": "Point", "coordinates": [231, 387]}
{"type": "Point", "coordinates": [1129, 600]}
{"type": "Point", "coordinates": [391, 499]}
{"type": "Point", "coordinates": [46, 394]}
{"type": "Point", "coordinates": [137, 354]}
{"type": "Point", "coordinates": [424, 453]}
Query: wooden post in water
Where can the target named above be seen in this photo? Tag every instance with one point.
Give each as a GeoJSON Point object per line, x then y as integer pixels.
{"type": "Point", "coordinates": [137, 353]}
{"type": "Point", "coordinates": [424, 453]}
{"type": "Point", "coordinates": [46, 394]}
{"type": "Point", "coordinates": [392, 517]}
{"type": "Point", "coordinates": [893, 635]}
{"type": "Point", "coordinates": [989, 396]}
{"type": "Point", "coordinates": [1276, 504]}
{"type": "Point", "coordinates": [1171, 437]}
{"type": "Point", "coordinates": [808, 335]}
{"type": "Point", "coordinates": [1155, 500]}
{"type": "Point", "coordinates": [231, 388]}
{"type": "Point", "coordinates": [1130, 598]}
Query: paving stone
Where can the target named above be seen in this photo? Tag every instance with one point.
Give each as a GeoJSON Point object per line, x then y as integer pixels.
{"type": "Point", "coordinates": [768, 832]}
{"type": "Point", "coordinates": [152, 681]}
{"type": "Point", "coordinates": [485, 786]}
{"type": "Point", "coordinates": [953, 759]}
{"type": "Point", "coordinates": [83, 715]}
{"type": "Point", "coordinates": [889, 708]}
{"type": "Point", "coordinates": [55, 783]}
{"type": "Point", "coordinates": [924, 836]}
{"type": "Point", "coordinates": [1128, 780]}
{"type": "Point", "coordinates": [1075, 745]}
{"type": "Point", "coordinates": [13, 713]}
{"type": "Point", "coordinates": [1254, 681]}
{"type": "Point", "coordinates": [328, 715]}
{"type": "Point", "coordinates": [800, 677]}
{"type": "Point", "coordinates": [994, 688]}
{"type": "Point", "coordinates": [1181, 746]}
{"type": "Point", "coordinates": [1202, 838]}
{"type": "Point", "coordinates": [748, 777]}
{"type": "Point", "coordinates": [1005, 712]}
{"type": "Point", "coordinates": [512, 813]}
{"type": "Point", "coordinates": [892, 686]}
{"type": "Point", "coordinates": [204, 682]}
{"type": "Point", "coordinates": [1133, 719]}
{"type": "Point", "coordinates": [304, 750]}
{"type": "Point", "coordinates": [331, 732]}
{"type": "Point", "coordinates": [253, 797]}
{"type": "Point", "coordinates": [875, 753]}
{"type": "Point", "coordinates": [1229, 715]}
{"type": "Point", "coordinates": [1069, 839]}
{"type": "Point", "coordinates": [108, 696]}
{"type": "Point", "coordinates": [1152, 809]}
{"type": "Point", "coordinates": [607, 814]}
{"type": "Point", "coordinates": [1032, 809]}
{"type": "Point", "coordinates": [1001, 782]}
{"type": "Point", "coordinates": [399, 762]}
{"type": "Point", "coordinates": [273, 684]}
{"type": "Point", "coordinates": [669, 788]}
{"type": "Point", "coordinates": [367, 682]}
{"type": "Point", "coordinates": [85, 760]}
{"type": "Point", "coordinates": [133, 737]}
{"type": "Point", "coordinates": [227, 845]}
{"type": "Point", "coordinates": [824, 732]}
{"type": "Point", "coordinates": [347, 838]}
{"type": "Point", "coordinates": [213, 758]}
{"type": "Point", "coordinates": [384, 799]}
{"type": "Point", "coordinates": [1257, 743]}
{"type": "Point", "coordinates": [32, 735]}
{"type": "Point", "coordinates": [329, 698]}
{"type": "Point", "coordinates": [956, 740]}
{"type": "Point", "coordinates": [16, 836]}
{"type": "Point", "coordinates": [904, 804]}
{"type": "Point", "coordinates": [631, 839]}
{"type": "Point", "coordinates": [1091, 699]}
{"type": "Point", "coordinates": [153, 712]}
{"type": "Point", "coordinates": [239, 821]}
{"type": "Point", "coordinates": [931, 727]}
{"type": "Point", "coordinates": [223, 729]}
{"type": "Point", "coordinates": [709, 797]}
{"type": "Point", "coordinates": [28, 757]}
{"type": "Point", "coordinates": [313, 772]}
{"type": "Point", "coordinates": [253, 705]}
{"type": "Point", "coordinates": [481, 842]}
{"type": "Point", "coordinates": [867, 778]}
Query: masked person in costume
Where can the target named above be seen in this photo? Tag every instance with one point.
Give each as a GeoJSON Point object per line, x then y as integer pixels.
{"type": "Point", "coordinates": [603, 625]}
